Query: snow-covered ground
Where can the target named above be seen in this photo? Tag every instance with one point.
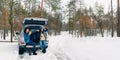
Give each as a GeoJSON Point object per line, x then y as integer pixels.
{"type": "Point", "coordinates": [66, 47]}
{"type": "Point", "coordinates": [91, 48]}
{"type": "Point", "coordinates": [7, 39]}
{"type": "Point", "coordinates": [8, 51]}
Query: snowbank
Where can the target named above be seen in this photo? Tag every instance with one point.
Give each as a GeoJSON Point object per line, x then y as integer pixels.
{"type": "Point", "coordinates": [8, 51]}
{"type": "Point", "coordinates": [66, 47]}
{"type": "Point", "coordinates": [89, 48]}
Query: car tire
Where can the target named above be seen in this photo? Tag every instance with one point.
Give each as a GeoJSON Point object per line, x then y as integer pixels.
{"type": "Point", "coordinates": [46, 46]}
{"type": "Point", "coordinates": [21, 50]}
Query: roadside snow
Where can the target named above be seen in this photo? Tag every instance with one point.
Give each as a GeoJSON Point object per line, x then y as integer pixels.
{"type": "Point", "coordinates": [66, 47]}
{"type": "Point", "coordinates": [90, 48]}
{"type": "Point", "coordinates": [8, 51]}
{"type": "Point", "coordinates": [7, 38]}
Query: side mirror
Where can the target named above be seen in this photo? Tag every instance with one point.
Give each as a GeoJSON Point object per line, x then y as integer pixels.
{"type": "Point", "coordinates": [17, 33]}
{"type": "Point", "coordinates": [46, 29]}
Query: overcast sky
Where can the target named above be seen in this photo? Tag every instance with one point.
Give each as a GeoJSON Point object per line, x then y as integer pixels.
{"type": "Point", "coordinates": [105, 3]}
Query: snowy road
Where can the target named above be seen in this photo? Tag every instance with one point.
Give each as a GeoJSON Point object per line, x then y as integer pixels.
{"type": "Point", "coordinates": [66, 47]}
{"type": "Point", "coordinates": [9, 51]}
{"type": "Point", "coordinates": [50, 55]}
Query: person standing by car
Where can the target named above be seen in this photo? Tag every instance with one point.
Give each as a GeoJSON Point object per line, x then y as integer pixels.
{"type": "Point", "coordinates": [28, 41]}
{"type": "Point", "coordinates": [45, 32]}
{"type": "Point", "coordinates": [42, 41]}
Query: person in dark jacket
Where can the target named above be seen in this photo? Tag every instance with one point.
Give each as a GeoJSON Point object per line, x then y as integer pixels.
{"type": "Point", "coordinates": [28, 41]}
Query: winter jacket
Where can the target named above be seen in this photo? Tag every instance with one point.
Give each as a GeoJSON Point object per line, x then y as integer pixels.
{"type": "Point", "coordinates": [42, 37]}
{"type": "Point", "coordinates": [26, 38]}
{"type": "Point", "coordinates": [45, 32]}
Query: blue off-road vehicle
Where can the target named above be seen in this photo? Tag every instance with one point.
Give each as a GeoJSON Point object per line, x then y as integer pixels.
{"type": "Point", "coordinates": [33, 24]}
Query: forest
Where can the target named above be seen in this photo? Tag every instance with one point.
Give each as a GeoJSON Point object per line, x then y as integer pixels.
{"type": "Point", "coordinates": [74, 17]}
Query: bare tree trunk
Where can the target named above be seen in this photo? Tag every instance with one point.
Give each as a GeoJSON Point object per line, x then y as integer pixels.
{"type": "Point", "coordinates": [25, 8]}
{"type": "Point", "coordinates": [118, 24]}
{"type": "Point", "coordinates": [69, 22]}
{"type": "Point", "coordinates": [112, 34]}
{"type": "Point", "coordinates": [81, 33]}
{"type": "Point", "coordinates": [4, 36]}
{"type": "Point", "coordinates": [41, 8]}
{"type": "Point", "coordinates": [4, 27]}
{"type": "Point", "coordinates": [10, 19]}
{"type": "Point", "coordinates": [101, 29]}
{"type": "Point", "coordinates": [81, 30]}
{"type": "Point", "coordinates": [29, 9]}
{"type": "Point", "coordinates": [11, 28]}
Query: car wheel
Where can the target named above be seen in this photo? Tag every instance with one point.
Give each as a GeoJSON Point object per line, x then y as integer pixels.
{"type": "Point", "coordinates": [21, 50]}
{"type": "Point", "coordinates": [46, 46]}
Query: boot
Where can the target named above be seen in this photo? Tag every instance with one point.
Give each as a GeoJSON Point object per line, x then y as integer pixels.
{"type": "Point", "coordinates": [34, 53]}
{"type": "Point", "coordinates": [44, 50]}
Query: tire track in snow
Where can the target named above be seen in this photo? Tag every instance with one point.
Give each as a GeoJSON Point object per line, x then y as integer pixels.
{"type": "Point", "coordinates": [59, 53]}
{"type": "Point", "coordinates": [54, 52]}
{"type": "Point", "coordinates": [51, 54]}
{"type": "Point", "coordinates": [57, 49]}
{"type": "Point", "coordinates": [62, 56]}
